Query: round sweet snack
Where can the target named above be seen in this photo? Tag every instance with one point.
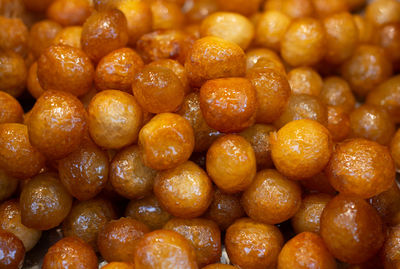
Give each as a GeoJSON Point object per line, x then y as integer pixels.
{"type": "Point", "coordinates": [12, 249]}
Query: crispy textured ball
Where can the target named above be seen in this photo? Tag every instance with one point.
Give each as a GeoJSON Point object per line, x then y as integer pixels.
{"type": "Point", "coordinates": [252, 244]}
{"type": "Point", "coordinates": [87, 218]}
{"type": "Point", "coordinates": [366, 69]}
{"type": "Point", "coordinates": [14, 35]}
{"type": "Point", "coordinates": [271, 198]}
{"type": "Point", "coordinates": [336, 92]}
{"type": "Point", "coordinates": [57, 124]}
{"type": "Point", "coordinates": [305, 80]}
{"type": "Point", "coordinates": [231, 163]}
{"type": "Point", "coordinates": [390, 251]}
{"type": "Point", "coordinates": [166, 141]}
{"type": "Point", "coordinates": [114, 119]}
{"type": "Point", "coordinates": [103, 32]}
{"type": "Point", "coordinates": [8, 185]}
{"type": "Point", "coordinates": [351, 229]}
{"type": "Point", "coordinates": [166, 15]}
{"type": "Point", "coordinates": [271, 28]}
{"type": "Point", "coordinates": [149, 211]}
{"type": "Point", "coordinates": [41, 36]}
{"type": "Point", "coordinates": [116, 70]}
{"type": "Point", "coordinates": [10, 110]}
{"type": "Point", "coordinates": [69, 36]}
{"type": "Point", "coordinates": [361, 167]}
{"type": "Point", "coordinates": [338, 123]}
{"type": "Point", "coordinates": [158, 89]}
{"type": "Point", "coordinates": [32, 83]}
{"type": "Point", "coordinates": [373, 123]}
{"type": "Point", "coordinates": [118, 239]}
{"type": "Point", "coordinates": [164, 249]}
{"type": "Point", "coordinates": [301, 149]}
{"type": "Point", "coordinates": [212, 58]}
{"type": "Point", "coordinates": [129, 176]}
{"type": "Point", "coordinates": [17, 156]}
{"type": "Point", "coordinates": [387, 204]}
{"type": "Point", "coordinates": [119, 265]}
{"type": "Point", "coordinates": [177, 68]}
{"type": "Point", "coordinates": [304, 43]}
{"type": "Point", "coordinates": [10, 220]}
{"type": "Point", "coordinates": [306, 250]}
{"type": "Point", "coordinates": [383, 11]}
{"type": "Point", "coordinates": [203, 234]}
{"type": "Point", "coordinates": [44, 202]}
{"type": "Point", "coordinates": [228, 104]}
{"type": "Point", "coordinates": [388, 37]}
{"type": "Point", "coordinates": [70, 252]}
{"type": "Point", "coordinates": [12, 250]}
{"type": "Point", "coordinates": [70, 12]}
{"type": "Point", "coordinates": [185, 191]}
{"type": "Point", "coordinates": [13, 73]}
{"type": "Point", "coordinates": [67, 64]}
{"type": "Point", "coordinates": [307, 218]}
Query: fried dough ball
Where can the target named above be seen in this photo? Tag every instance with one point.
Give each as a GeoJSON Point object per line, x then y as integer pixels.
{"type": "Point", "coordinates": [41, 36]}
{"type": "Point", "coordinates": [164, 249]}
{"type": "Point", "coordinates": [69, 36]}
{"type": "Point", "coordinates": [10, 110]}
{"type": "Point", "coordinates": [32, 83]}
{"type": "Point", "coordinates": [305, 80]}
{"type": "Point", "coordinates": [70, 12]}
{"type": "Point", "coordinates": [177, 68]}
{"type": "Point", "coordinates": [264, 58]}
{"type": "Point", "coordinates": [244, 7]}
{"type": "Point", "coordinates": [184, 191]}
{"type": "Point", "coordinates": [373, 123]}
{"type": "Point", "coordinates": [103, 32]}
{"type": "Point", "coordinates": [158, 89]}
{"type": "Point", "coordinates": [271, 198]}
{"type": "Point", "coordinates": [37, 5]}
{"type": "Point", "coordinates": [87, 218]}
{"type": "Point", "coordinates": [114, 119]}
{"type": "Point", "coordinates": [304, 43]}
{"type": "Point", "coordinates": [325, 8]}
{"type": "Point", "coordinates": [166, 141]}
{"type": "Point", "coordinates": [10, 220]}
{"type": "Point", "coordinates": [13, 73]}
{"type": "Point", "coordinates": [12, 250]}
{"type": "Point", "coordinates": [301, 149]}
{"type": "Point", "coordinates": [292, 8]}
{"type": "Point", "coordinates": [390, 251]}
{"type": "Point", "coordinates": [306, 250]}
{"type": "Point", "coordinates": [361, 167]}
{"type": "Point", "coordinates": [387, 204]}
{"type": "Point", "coordinates": [70, 252]}
{"type": "Point", "coordinates": [231, 163]}
{"type": "Point", "coordinates": [395, 149]}
{"type": "Point", "coordinates": [116, 70]}
{"type": "Point", "coordinates": [339, 124]}
{"type": "Point", "coordinates": [8, 185]}
{"type": "Point", "coordinates": [129, 176]}
{"type": "Point", "coordinates": [166, 15]}
{"type": "Point", "coordinates": [307, 218]}
{"type": "Point", "coordinates": [118, 239]}
{"type": "Point", "coordinates": [203, 234]}
{"type": "Point", "coordinates": [366, 69]}
{"type": "Point", "coordinates": [351, 229]}
{"type": "Point", "coordinates": [271, 28]}
{"type": "Point", "coordinates": [119, 265]}
{"type": "Point", "coordinates": [366, 29]}
{"type": "Point", "coordinates": [388, 37]}
{"type": "Point", "coordinates": [383, 11]}
{"type": "Point", "coordinates": [199, 10]}
{"type": "Point", "coordinates": [14, 35]}
{"type": "Point", "coordinates": [336, 92]}
{"type": "Point", "coordinates": [18, 157]}
{"type": "Point", "coordinates": [213, 57]}
{"type": "Point", "coordinates": [252, 244]}
{"type": "Point", "coordinates": [228, 104]}
{"type": "Point", "coordinates": [67, 64]}
{"type": "Point", "coordinates": [57, 124]}
{"type": "Point", "coordinates": [229, 26]}
{"type": "Point", "coordinates": [149, 211]}
{"type": "Point", "coordinates": [44, 202]}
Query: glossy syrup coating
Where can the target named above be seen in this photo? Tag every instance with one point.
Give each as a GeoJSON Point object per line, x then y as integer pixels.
{"type": "Point", "coordinates": [212, 58]}
{"type": "Point", "coordinates": [69, 36]}
{"type": "Point", "coordinates": [14, 35]}
{"type": "Point", "coordinates": [12, 249]}
{"type": "Point", "coordinates": [272, 90]}
{"type": "Point", "coordinates": [67, 64]}
{"type": "Point", "coordinates": [252, 244]}
{"type": "Point", "coordinates": [129, 176]}
{"type": "Point", "coordinates": [240, 6]}
{"type": "Point", "coordinates": [307, 218]}
{"type": "Point", "coordinates": [304, 43]}
{"type": "Point", "coordinates": [87, 218]}
{"type": "Point", "coordinates": [8, 185]}
{"type": "Point", "coordinates": [10, 110]}
{"type": "Point", "coordinates": [18, 157]}
{"type": "Point", "coordinates": [231, 163]}
{"type": "Point", "coordinates": [119, 265]}
{"type": "Point", "coordinates": [203, 234]}
{"type": "Point", "coordinates": [228, 104]}
{"type": "Point", "coordinates": [361, 167]}
{"type": "Point", "coordinates": [70, 12]}
{"type": "Point", "coordinates": [351, 229]}
{"type": "Point", "coordinates": [339, 124]}
{"type": "Point", "coordinates": [383, 11]}
{"type": "Point", "coordinates": [84, 172]}
{"type": "Point", "coordinates": [184, 191]}
{"type": "Point", "coordinates": [373, 123]}
{"type": "Point", "coordinates": [366, 69]}
{"type": "Point", "coordinates": [13, 73]}
{"type": "Point", "coordinates": [387, 204]}
{"type": "Point", "coordinates": [44, 202]}
{"type": "Point", "coordinates": [301, 149]}
{"type": "Point", "coordinates": [325, 8]}
{"type": "Point", "coordinates": [70, 252]}
{"type": "Point", "coordinates": [149, 211]}
{"type": "Point", "coordinates": [177, 68]}
{"type": "Point", "coordinates": [198, 10]}
{"type": "Point", "coordinates": [296, 8]}
{"type": "Point", "coordinates": [57, 124]}
{"type": "Point", "coordinates": [265, 58]}
{"type": "Point", "coordinates": [271, 28]}
{"type": "Point", "coordinates": [118, 239]}
{"type": "Point", "coordinates": [271, 198]}
{"type": "Point", "coordinates": [103, 32]}
{"type": "Point", "coordinates": [32, 82]}
{"type": "Point", "coordinates": [166, 15]}
{"type": "Point", "coordinates": [166, 141]}
{"type": "Point", "coordinates": [305, 80]}
{"type": "Point", "coordinates": [306, 250]}
{"type": "Point", "coordinates": [388, 37]}
{"type": "Point", "coordinates": [391, 251]}
{"type": "Point", "coordinates": [158, 89]}
{"type": "Point", "coordinates": [164, 249]}
{"type": "Point", "coordinates": [114, 119]}
{"type": "Point", "coordinates": [41, 36]}
{"type": "Point", "coordinates": [336, 92]}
